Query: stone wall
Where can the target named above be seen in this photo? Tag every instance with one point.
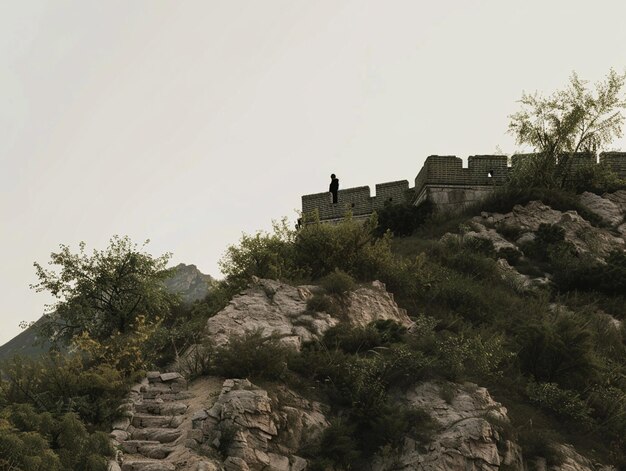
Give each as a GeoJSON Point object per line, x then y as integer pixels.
{"type": "Point", "coordinates": [357, 201]}
{"type": "Point", "coordinates": [442, 180]}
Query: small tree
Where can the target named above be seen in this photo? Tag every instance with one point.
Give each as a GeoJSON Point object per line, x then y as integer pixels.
{"type": "Point", "coordinates": [576, 119]}
{"type": "Point", "coordinates": [102, 294]}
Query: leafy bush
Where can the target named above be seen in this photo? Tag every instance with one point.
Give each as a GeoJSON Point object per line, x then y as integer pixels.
{"type": "Point", "coordinates": [540, 443]}
{"type": "Point", "coordinates": [349, 246]}
{"type": "Point", "coordinates": [510, 254]}
{"type": "Point", "coordinates": [337, 447]}
{"type": "Point", "coordinates": [60, 384]}
{"type": "Point", "coordinates": [462, 355]}
{"type": "Point", "coordinates": [562, 402]}
{"type": "Point", "coordinates": [252, 356]}
{"type": "Point", "coordinates": [557, 349]}
{"type": "Point", "coordinates": [596, 178]}
{"type": "Point", "coordinates": [402, 219]}
{"type": "Point", "coordinates": [320, 303]}
{"type": "Point", "coordinates": [352, 339]}
{"type": "Point", "coordinates": [548, 234]}
{"type": "Point", "coordinates": [197, 360]}
{"type": "Point", "coordinates": [42, 441]}
{"type": "Point", "coordinates": [266, 255]}
{"type": "Point", "coordinates": [338, 282]}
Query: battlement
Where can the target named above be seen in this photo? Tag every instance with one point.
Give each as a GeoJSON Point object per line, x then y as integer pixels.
{"type": "Point", "coordinates": [442, 180]}
{"type": "Point", "coordinates": [357, 201]}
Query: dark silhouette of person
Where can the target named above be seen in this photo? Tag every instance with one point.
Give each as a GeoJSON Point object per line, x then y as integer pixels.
{"type": "Point", "coordinates": [334, 187]}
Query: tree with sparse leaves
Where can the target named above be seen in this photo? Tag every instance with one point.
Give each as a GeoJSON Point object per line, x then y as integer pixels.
{"type": "Point", "coordinates": [102, 294]}
{"type": "Point", "coordinates": [576, 119]}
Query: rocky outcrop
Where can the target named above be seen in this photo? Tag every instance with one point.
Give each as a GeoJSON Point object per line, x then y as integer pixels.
{"type": "Point", "coordinates": [527, 219]}
{"type": "Point", "coordinates": [610, 207]}
{"type": "Point", "coordinates": [605, 207]}
{"type": "Point", "coordinates": [280, 310]}
{"type": "Point", "coordinates": [371, 303]}
{"type": "Point", "coordinates": [466, 438]}
{"type": "Point", "coordinates": [256, 432]}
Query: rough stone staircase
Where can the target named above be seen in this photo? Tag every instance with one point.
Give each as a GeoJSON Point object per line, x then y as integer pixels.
{"type": "Point", "coordinates": [151, 430]}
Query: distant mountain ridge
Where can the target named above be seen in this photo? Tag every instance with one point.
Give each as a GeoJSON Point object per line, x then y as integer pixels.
{"type": "Point", "coordinates": [188, 282]}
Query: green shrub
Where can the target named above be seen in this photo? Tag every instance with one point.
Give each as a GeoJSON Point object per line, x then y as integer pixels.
{"type": "Point", "coordinates": [460, 295]}
{"type": "Point", "coordinates": [479, 245]}
{"type": "Point", "coordinates": [266, 255]}
{"type": "Point", "coordinates": [252, 356]}
{"type": "Point", "coordinates": [41, 441]}
{"type": "Point", "coordinates": [557, 348]}
{"type": "Point", "coordinates": [510, 254]}
{"type": "Point", "coordinates": [361, 339]}
{"type": "Point", "coordinates": [548, 234]}
{"type": "Point", "coordinates": [338, 282]}
{"type": "Point", "coordinates": [337, 447]}
{"type": "Point", "coordinates": [349, 246]}
{"type": "Point", "coordinates": [596, 178]}
{"type": "Point", "coordinates": [562, 402]}
{"type": "Point", "coordinates": [197, 360]}
{"type": "Point", "coordinates": [320, 303]}
{"type": "Point", "coordinates": [403, 219]}
{"type": "Point", "coordinates": [352, 339]}
{"type": "Point", "coordinates": [61, 383]}
{"type": "Point", "coordinates": [463, 355]}
{"type": "Point", "coordinates": [540, 443]}
{"type": "Point", "coordinates": [509, 232]}
{"type": "Point", "coordinates": [390, 331]}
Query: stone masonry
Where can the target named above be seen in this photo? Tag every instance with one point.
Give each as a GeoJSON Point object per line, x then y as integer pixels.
{"type": "Point", "coordinates": [442, 180]}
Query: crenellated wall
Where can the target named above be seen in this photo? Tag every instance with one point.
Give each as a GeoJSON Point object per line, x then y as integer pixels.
{"type": "Point", "coordinates": [442, 180]}
{"type": "Point", "coordinates": [355, 200]}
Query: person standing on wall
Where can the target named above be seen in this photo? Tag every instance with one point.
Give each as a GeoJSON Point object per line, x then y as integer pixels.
{"type": "Point", "coordinates": [334, 187]}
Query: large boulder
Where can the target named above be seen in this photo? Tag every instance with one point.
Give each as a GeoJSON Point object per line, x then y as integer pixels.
{"type": "Point", "coordinates": [603, 207]}
{"type": "Point", "coordinates": [279, 309]}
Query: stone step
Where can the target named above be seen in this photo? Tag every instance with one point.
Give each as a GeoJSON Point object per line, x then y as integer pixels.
{"type": "Point", "coordinates": [157, 387]}
{"type": "Point", "coordinates": [156, 421]}
{"type": "Point", "coordinates": [147, 465]}
{"type": "Point", "coordinates": [158, 407]}
{"type": "Point", "coordinates": [132, 446]}
{"type": "Point", "coordinates": [170, 396]}
{"type": "Point", "coordinates": [162, 435]}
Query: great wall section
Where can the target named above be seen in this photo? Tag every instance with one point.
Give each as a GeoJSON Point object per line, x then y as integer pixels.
{"type": "Point", "coordinates": [443, 181]}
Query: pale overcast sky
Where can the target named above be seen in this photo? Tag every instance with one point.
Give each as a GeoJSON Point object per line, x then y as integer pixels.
{"type": "Point", "coordinates": [190, 122]}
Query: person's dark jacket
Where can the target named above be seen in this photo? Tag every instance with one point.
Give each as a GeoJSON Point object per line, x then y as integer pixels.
{"type": "Point", "coordinates": [334, 185]}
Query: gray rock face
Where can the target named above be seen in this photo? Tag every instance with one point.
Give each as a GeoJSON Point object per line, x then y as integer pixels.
{"type": "Point", "coordinates": [466, 439]}
{"type": "Point", "coordinates": [585, 237]}
{"type": "Point", "coordinates": [278, 309]}
{"type": "Point", "coordinates": [257, 432]}
{"type": "Point", "coordinates": [607, 207]}
{"type": "Point", "coordinates": [372, 303]}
